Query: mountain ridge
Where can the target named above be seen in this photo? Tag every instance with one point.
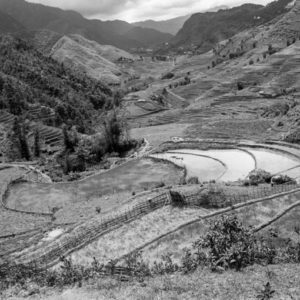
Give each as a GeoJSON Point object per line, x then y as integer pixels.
{"type": "Point", "coordinates": [37, 16]}
{"type": "Point", "coordinates": [204, 30]}
{"type": "Point", "coordinates": [172, 25]}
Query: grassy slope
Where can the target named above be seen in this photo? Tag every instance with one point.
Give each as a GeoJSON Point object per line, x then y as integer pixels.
{"type": "Point", "coordinates": [96, 60]}
{"type": "Point", "coordinates": [203, 284]}
{"type": "Point", "coordinates": [85, 59]}
{"type": "Point", "coordinates": [79, 199]}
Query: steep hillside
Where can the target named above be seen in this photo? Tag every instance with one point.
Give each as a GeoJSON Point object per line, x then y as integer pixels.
{"type": "Point", "coordinates": [9, 24]}
{"type": "Point", "coordinates": [204, 30]}
{"type": "Point", "coordinates": [110, 53]}
{"type": "Point", "coordinates": [28, 79]}
{"type": "Point", "coordinates": [289, 25]}
{"type": "Point", "coordinates": [79, 53]}
{"type": "Point", "coordinates": [37, 17]}
{"type": "Point", "coordinates": [43, 40]}
{"type": "Point", "coordinates": [171, 26]}
{"type": "Point", "coordinates": [89, 57]}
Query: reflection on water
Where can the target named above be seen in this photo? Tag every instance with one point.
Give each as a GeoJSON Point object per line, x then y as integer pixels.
{"type": "Point", "coordinates": [231, 164]}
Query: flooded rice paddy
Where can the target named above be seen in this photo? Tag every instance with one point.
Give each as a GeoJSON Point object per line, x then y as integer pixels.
{"type": "Point", "coordinates": [232, 164]}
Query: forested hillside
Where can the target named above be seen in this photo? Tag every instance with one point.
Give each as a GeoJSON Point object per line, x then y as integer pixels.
{"type": "Point", "coordinates": [204, 30]}
{"type": "Point", "coordinates": [28, 79]}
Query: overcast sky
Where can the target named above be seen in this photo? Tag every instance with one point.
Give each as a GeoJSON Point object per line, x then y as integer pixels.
{"type": "Point", "coordinates": [137, 10]}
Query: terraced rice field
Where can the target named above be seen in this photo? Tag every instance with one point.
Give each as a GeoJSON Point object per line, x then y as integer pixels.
{"type": "Point", "coordinates": [175, 243]}
{"type": "Point", "coordinates": [231, 165]}
{"type": "Point", "coordinates": [233, 129]}
{"type": "Point", "coordinates": [136, 175]}
{"type": "Point", "coordinates": [135, 234]}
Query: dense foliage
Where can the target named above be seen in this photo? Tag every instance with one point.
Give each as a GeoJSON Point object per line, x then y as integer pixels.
{"type": "Point", "coordinates": [29, 79]}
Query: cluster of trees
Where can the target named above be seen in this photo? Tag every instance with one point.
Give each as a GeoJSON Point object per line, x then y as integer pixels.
{"type": "Point", "coordinates": [19, 146]}
{"type": "Point", "coordinates": [83, 151]}
{"type": "Point", "coordinates": [185, 81]}
{"type": "Point", "coordinates": [29, 78]}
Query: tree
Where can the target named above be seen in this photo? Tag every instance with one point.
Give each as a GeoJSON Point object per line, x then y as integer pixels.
{"type": "Point", "coordinates": [69, 141]}
{"type": "Point", "coordinates": [117, 98]}
{"type": "Point", "coordinates": [37, 145]}
{"type": "Point", "coordinates": [114, 129]}
{"type": "Point", "coordinates": [19, 139]}
{"type": "Point", "coordinates": [14, 99]}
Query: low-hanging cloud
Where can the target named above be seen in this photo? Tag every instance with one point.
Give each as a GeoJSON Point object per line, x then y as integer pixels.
{"type": "Point", "coordinates": [136, 10]}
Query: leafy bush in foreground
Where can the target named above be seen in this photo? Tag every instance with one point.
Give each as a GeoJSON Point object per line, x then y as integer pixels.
{"type": "Point", "coordinates": [230, 245]}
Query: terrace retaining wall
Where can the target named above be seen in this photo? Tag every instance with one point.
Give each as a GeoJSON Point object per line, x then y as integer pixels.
{"type": "Point", "coordinates": [83, 234]}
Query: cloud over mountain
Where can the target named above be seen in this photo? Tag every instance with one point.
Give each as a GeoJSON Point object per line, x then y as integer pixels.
{"type": "Point", "coordinates": [135, 10]}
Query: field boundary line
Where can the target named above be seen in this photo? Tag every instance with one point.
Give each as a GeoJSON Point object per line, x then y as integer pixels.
{"type": "Point", "coordinates": [214, 214]}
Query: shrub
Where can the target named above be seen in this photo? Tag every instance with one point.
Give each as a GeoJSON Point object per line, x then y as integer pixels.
{"type": "Point", "coordinates": [188, 262]}
{"type": "Point", "coordinates": [193, 180]}
{"type": "Point", "coordinates": [67, 274]}
{"type": "Point", "coordinates": [73, 176]}
{"type": "Point", "coordinates": [230, 245]}
{"type": "Point", "coordinates": [168, 75]}
{"type": "Point", "coordinates": [231, 55]}
{"type": "Point", "coordinates": [293, 137]}
{"type": "Point", "coordinates": [136, 263]}
{"type": "Point", "coordinates": [282, 179]}
{"type": "Point", "coordinates": [240, 85]}
{"type": "Point", "coordinates": [178, 200]}
{"type": "Point", "coordinates": [258, 176]}
{"type": "Point", "coordinates": [251, 62]}
{"type": "Point", "coordinates": [165, 266]}
{"type": "Point", "coordinates": [266, 293]}
{"type": "Point", "coordinates": [271, 50]}
{"type": "Point", "coordinates": [160, 184]}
